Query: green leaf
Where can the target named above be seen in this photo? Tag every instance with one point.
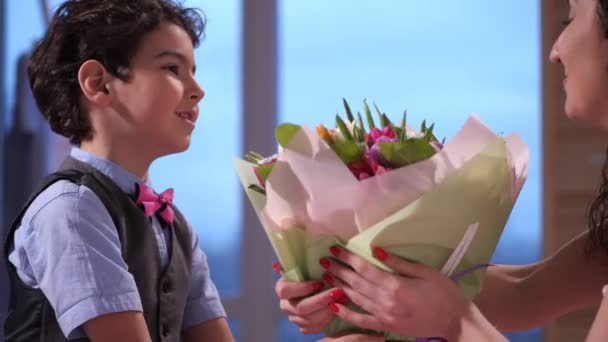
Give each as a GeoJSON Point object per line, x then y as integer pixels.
{"type": "Point", "coordinates": [397, 131]}
{"type": "Point", "coordinates": [257, 188]}
{"type": "Point", "coordinates": [423, 127]}
{"type": "Point", "coordinates": [342, 126]}
{"type": "Point", "coordinates": [257, 155]}
{"type": "Point", "coordinates": [251, 159]}
{"type": "Point", "coordinates": [349, 151]}
{"type": "Point", "coordinates": [286, 132]}
{"type": "Point", "coordinates": [429, 133]}
{"type": "Point", "coordinates": [349, 113]}
{"type": "Point", "coordinates": [403, 135]}
{"type": "Point", "coordinates": [264, 171]}
{"type": "Point", "coordinates": [399, 154]}
{"type": "Point", "coordinates": [361, 127]}
{"type": "Point", "coordinates": [254, 157]}
{"type": "Point", "coordinates": [377, 110]}
{"type": "Point", "coordinates": [384, 120]}
{"type": "Point", "coordinates": [370, 119]}
{"type": "Point", "coordinates": [379, 115]}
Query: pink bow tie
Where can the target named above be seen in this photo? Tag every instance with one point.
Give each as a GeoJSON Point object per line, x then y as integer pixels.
{"type": "Point", "coordinates": [155, 204]}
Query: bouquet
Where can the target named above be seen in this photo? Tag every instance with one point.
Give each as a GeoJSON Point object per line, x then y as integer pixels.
{"type": "Point", "coordinates": [441, 204]}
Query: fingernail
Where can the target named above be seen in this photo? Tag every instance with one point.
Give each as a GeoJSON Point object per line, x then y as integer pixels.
{"type": "Point", "coordinates": [334, 250]}
{"type": "Point", "coordinates": [316, 286]}
{"type": "Point", "coordinates": [380, 253]}
{"type": "Point", "coordinates": [277, 267]}
{"type": "Point", "coordinates": [344, 300]}
{"type": "Point", "coordinates": [333, 307]}
{"type": "Point", "coordinates": [337, 294]}
{"type": "Point", "coordinates": [328, 279]}
{"type": "Point", "coordinates": [324, 263]}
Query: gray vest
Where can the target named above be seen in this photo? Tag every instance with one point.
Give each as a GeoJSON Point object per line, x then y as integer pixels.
{"type": "Point", "coordinates": [163, 292]}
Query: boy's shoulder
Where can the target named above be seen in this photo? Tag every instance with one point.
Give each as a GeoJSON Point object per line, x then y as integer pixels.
{"type": "Point", "coordinates": [63, 198]}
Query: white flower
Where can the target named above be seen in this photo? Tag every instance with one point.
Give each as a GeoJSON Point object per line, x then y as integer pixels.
{"type": "Point", "coordinates": [412, 133]}
{"type": "Point", "coordinates": [337, 134]}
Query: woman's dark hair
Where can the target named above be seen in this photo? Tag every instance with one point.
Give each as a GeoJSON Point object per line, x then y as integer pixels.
{"type": "Point", "coordinates": [602, 8]}
{"type": "Point", "coordinates": [108, 31]}
{"type": "Point", "coordinates": [598, 210]}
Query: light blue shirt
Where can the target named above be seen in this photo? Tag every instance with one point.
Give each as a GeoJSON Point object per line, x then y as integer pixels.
{"type": "Point", "coordinates": [68, 247]}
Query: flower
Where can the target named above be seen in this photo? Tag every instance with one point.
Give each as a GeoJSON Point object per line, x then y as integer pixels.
{"type": "Point", "coordinates": [412, 133]}
{"type": "Point", "coordinates": [373, 140]}
{"type": "Point", "coordinates": [361, 169]}
{"type": "Point", "coordinates": [324, 134]}
{"type": "Point", "coordinates": [367, 168]}
{"type": "Point", "coordinates": [376, 133]}
{"type": "Point", "coordinates": [437, 146]}
{"type": "Point", "coordinates": [376, 163]}
{"type": "Point", "coordinates": [373, 153]}
{"type": "Point", "coordinates": [349, 125]}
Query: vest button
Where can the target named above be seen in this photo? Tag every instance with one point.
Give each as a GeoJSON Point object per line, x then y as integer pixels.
{"type": "Point", "coordinates": [165, 330]}
{"type": "Point", "coordinates": [166, 286]}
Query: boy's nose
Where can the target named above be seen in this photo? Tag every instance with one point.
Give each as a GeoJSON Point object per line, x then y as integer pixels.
{"type": "Point", "coordinates": [197, 93]}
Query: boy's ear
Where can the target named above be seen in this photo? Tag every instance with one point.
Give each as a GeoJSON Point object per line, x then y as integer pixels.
{"type": "Point", "coordinates": [93, 79]}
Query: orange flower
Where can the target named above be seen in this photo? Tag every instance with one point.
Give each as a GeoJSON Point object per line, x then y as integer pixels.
{"type": "Point", "coordinates": [324, 134]}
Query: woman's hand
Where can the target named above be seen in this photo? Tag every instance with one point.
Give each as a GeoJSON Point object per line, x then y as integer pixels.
{"type": "Point", "coordinates": [304, 305]}
{"type": "Point", "coordinates": [414, 301]}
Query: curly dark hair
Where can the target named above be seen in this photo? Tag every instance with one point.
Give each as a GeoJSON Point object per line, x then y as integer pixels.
{"type": "Point", "coordinates": [598, 210]}
{"type": "Point", "coordinates": [108, 31]}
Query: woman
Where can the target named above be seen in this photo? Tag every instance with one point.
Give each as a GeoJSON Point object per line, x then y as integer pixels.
{"type": "Point", "coordinates": [418, 301]}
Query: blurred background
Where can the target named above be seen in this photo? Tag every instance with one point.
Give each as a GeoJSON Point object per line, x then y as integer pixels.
{"type": "Point", "coordinates": [269, 61]}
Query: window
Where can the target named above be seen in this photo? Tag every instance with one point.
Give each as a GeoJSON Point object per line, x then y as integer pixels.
{"type": "Point", "coordinates": [440, 60]}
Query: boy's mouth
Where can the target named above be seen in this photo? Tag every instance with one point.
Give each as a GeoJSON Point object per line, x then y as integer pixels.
{"type": "Point", "coordinates": [188, 115]}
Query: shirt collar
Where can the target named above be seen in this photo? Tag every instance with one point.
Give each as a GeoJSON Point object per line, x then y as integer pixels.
{"type": "Point", "coordinates": [123, 178]}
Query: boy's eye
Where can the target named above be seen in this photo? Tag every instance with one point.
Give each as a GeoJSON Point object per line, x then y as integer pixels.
{"type": "Point", "coordinates": [172, 68]}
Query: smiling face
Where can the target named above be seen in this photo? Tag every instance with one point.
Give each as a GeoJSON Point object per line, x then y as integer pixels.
{"type": "Point", "coordinates": [159, 100]}
{"type": "Point", "coordinates": [582, 50]}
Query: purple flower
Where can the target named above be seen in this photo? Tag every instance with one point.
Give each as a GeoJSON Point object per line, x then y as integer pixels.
{"type": "Point", "coordinates": [437, 146]}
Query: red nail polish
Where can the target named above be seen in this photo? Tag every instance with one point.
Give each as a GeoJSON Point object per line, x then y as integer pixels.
{"type": "Point", "coordinates": [316, 286]}
{"type": "Point", "coordinates": [328, 279]}
{"type": "Point", "coordinates": [380, 253]}
{"type": "Point", "coordinates": [337, 294]}
{"type": "Point", "coordinates": [277, 267]}
{"type": "Point", "coordinates": [324, 263]}
{"type": "Point", "coordinates": [344, 300]}
{"type": "Point", "coordinates": [334, 250]}
{"type": "Point", "coordinates": [333, 307]}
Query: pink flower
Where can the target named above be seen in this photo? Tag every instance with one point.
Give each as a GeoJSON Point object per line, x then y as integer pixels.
{"type": "Point", "coordinates": [367, 168]}
{"type": "Point", "coordinates": [361, 170]}
{"type": "Point", "coordinates": [437, 146]}
{"type": "Point", "coordinates": [387, 133]}
{"type": "Point", "coordinates": [375, 165]}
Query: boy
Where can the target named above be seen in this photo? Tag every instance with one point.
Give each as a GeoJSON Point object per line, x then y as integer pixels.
{"type": "Point", "coordinates": [96, 254]}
